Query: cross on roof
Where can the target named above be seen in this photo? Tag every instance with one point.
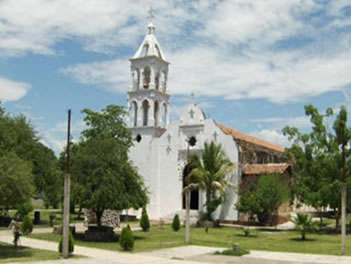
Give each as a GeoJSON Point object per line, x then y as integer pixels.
{"type": "Point", "coordinates": [151, 14]}
{"type": "Point", "coordinates": [191, 112]}
{"type": "Point", "coordinates": [192, 97]}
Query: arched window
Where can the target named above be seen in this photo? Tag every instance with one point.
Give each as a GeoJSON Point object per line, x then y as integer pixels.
{"type": "Point", "coordinates": [134, 114]}
{"type": "Point", "coordinates": [156, 114]}
{"type": "Point", "coordinates": [145, 50]}
{"type": "Point", "coordinates": [146, 81]}
{"type": "Point", "coordinates": [163, 80]}
{"type": "Point", "coordinates": [164, 115]}
{"type": "Point", "coordinates": [157, 80]}
{"type": "Point", "coordinates": [136, 79]}
{"type": "Point", "coordinates": [145, 112]}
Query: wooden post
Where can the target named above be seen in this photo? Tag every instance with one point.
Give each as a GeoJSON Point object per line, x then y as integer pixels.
{"type": "Point", "coordinates": [65, 233]}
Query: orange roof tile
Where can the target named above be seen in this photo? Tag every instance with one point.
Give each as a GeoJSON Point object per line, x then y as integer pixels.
{"type": "Point", "coordinates": [265, 168]}
{"type": "Point", "coordinates": [241, 136]}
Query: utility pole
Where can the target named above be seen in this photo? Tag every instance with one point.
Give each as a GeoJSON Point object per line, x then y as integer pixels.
{"type": "Point", "coordinates": [65, 249]}
{"type": "Point", "coordinates": [191, 142]}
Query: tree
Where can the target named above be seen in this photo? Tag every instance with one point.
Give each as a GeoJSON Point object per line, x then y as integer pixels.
{"type": "Point", "coordinates": [144, 220]}
{"type": "Point", "coordinates": [263, 196]}
{"type": "Point", "coordinates": [319, 159]}
{"type": "Point", "coordinates": [304, 223]}
{"type": "Point", "coordinates": [18, 137]}
{"type": "Point", "coordinates": [101, 165]}
{"type": "Point", "coordinates": [210, 174]}
{"type": "Point", "coordinates": [16, 182]}
{"type": "Point", "coordinates": [343, 136]}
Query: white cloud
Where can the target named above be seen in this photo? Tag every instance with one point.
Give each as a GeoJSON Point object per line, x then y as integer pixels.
{"type": "Point", "coordinates": [300, 122]}
{"type": "Point", "coordinates": [56, 136]}
{"type": "Point", "coordinates": [114, 75]}
{"type": "Point", "coordinates": [12, 90]}
{"type": "Point", "coordinates": [223, 48]}
{"type": "Point", "coordinates": [272, 136]}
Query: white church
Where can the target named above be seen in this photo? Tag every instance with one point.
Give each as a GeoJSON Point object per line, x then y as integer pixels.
{"type": "Point", "coordinates": [160, 148]}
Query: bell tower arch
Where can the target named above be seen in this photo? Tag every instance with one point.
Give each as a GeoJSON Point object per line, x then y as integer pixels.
{"type": "Point", "coordinates": [148, 97]}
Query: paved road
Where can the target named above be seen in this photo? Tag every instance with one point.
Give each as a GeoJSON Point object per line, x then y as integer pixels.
{"type": "Point", "coordinates": [179, 255]}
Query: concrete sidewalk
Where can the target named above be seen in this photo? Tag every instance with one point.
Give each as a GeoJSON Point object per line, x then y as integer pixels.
{"type": "Point", "coordinates": [184, 254]}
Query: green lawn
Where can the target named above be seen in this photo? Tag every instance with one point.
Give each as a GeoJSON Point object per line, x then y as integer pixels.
{"type": "Point", "coordinates": [8, 253]}
{"type": "Point", "coordinates": [284, 241]}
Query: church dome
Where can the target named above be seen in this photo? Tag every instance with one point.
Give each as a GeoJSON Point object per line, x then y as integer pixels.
{"type": "Point", "coordinates": [150, 46]}
{"type": "Point", "coordinates": [192, 115]}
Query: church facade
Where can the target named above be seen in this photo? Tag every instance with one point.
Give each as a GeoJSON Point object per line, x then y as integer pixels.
{"type": "Point", "coordinates": [161, 149]}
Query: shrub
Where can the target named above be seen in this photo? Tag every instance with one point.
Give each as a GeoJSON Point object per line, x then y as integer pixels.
{"type": "Point", "coordinates": [246, 231]}
{"type": "Point", "coordinates": [304, 223]}
{"type": "Point", "coordinates": [263, 196]}
{"type": "Point", "coordinates": [52, 218]}
{"type": "Point", "coordinates": [176, 223]}
{"type": "Point", "coordinates": [70, 244]}
{"type": "Point", "coordinates": [144, 220]}
{"type": "Point", "coordinates": [23, 210]}
{"type": "Point", "coordinates": [126, 239]}
{"type": "Point", "coordinates": [233, 252]}
{"type": "Point", "coordinates": [27, 225]}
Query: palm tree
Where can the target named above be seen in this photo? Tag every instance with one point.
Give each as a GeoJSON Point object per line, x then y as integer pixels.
{"type": "Point", "coordinates": [304, 223]}
{"type": "Point", "coordinates": [210, 174]}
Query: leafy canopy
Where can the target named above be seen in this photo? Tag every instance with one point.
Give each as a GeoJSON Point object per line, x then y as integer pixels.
{"type": "Point", "coordinates": [100, 164]}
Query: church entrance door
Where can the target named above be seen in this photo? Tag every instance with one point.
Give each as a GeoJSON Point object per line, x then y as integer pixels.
{"type": "Point", "coordinates": [194, 195]}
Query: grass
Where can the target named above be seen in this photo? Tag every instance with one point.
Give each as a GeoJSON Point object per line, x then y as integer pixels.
{"type": "Point", "coordinates": [9, 253]}
{"type": "Point", "coordinates": [283, 241]}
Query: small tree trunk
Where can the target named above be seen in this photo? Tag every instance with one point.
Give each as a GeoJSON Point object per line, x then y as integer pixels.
{"type": "Point", "coordinates": [337, 219]}
{"type": "Point", "coordinates": [98, 217]}
{"type": "Point", "coordinates": [208, 201]}
{"type": "Point", "coordinates": [303, 235]}
{"type": "Point", "coordinates": [343, 219]}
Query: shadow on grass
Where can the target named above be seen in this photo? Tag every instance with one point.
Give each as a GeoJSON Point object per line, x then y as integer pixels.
{"type": "Point", "coordinates": [80, 237]}
{"type": "Point", "coordinates": [12, 252]}
{"type": "Point", "coordinates": [249, 236]}
{"type": "Point", "coordinates": [300, 240]}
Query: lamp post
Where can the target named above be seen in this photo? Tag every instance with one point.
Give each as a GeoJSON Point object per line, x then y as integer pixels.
{"type": "Point", "coordinates": [191, 142]}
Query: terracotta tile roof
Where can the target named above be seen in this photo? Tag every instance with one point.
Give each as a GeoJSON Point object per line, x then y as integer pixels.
{"type": "Point", "coordinates": [256, 169]}
{"type": "Point", "coordinates": [241, 136]}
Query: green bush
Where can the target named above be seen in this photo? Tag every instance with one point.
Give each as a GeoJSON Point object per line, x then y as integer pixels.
{"type": "Point", "coordinates": [263, 196]}
{"type": "Point", "coordinates": [70, 244]}
{"type": "Point", "coordinates": [144, 220]}
{"type": "Point", "coordinates": [27, 226]}
{"type": "Point", "coordinates": [23, 210]}
{"type": "Point", "coordinates": [233, 252]}
{"type": "Point", "coordinates": [126, 239]}
{"type": "Point", "coordinates": [52, 218]}
{"type": "Point", "coordinates": [176, 223]}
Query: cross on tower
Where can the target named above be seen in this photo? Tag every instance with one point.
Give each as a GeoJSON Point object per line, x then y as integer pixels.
{"type": "Point", "coordinates": [151, 14]}
{"type": "Point", "coordinates": [192, 97]}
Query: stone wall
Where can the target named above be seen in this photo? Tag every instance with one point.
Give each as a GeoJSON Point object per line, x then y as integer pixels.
{"type": "Point", "coordinates": [109, 218]}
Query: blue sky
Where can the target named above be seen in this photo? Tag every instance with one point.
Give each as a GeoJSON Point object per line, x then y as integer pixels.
{"type": "Point", "coordinates": [252, 65]}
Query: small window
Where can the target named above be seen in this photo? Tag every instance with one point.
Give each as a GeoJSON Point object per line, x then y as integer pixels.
{"type": "Point", "coordinates": [138, 138]}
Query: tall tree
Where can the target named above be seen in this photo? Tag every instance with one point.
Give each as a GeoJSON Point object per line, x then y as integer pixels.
{"type": "Point", "coordinates": [101, 166]}
{"type": "Point", "coordinates": [16, 183]}
{"type": "Point", "coordinates": [18, 136]}
{"type": "Point", "coordinates": [320, 162]}
{"type": "Point", "coordinates": [210, 174]}
{"type": "Point", "coordinates": [343, 136]}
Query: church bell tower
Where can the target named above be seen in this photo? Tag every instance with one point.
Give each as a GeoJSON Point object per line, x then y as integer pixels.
{"type": "Point", "coordinates": [148, 99]}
